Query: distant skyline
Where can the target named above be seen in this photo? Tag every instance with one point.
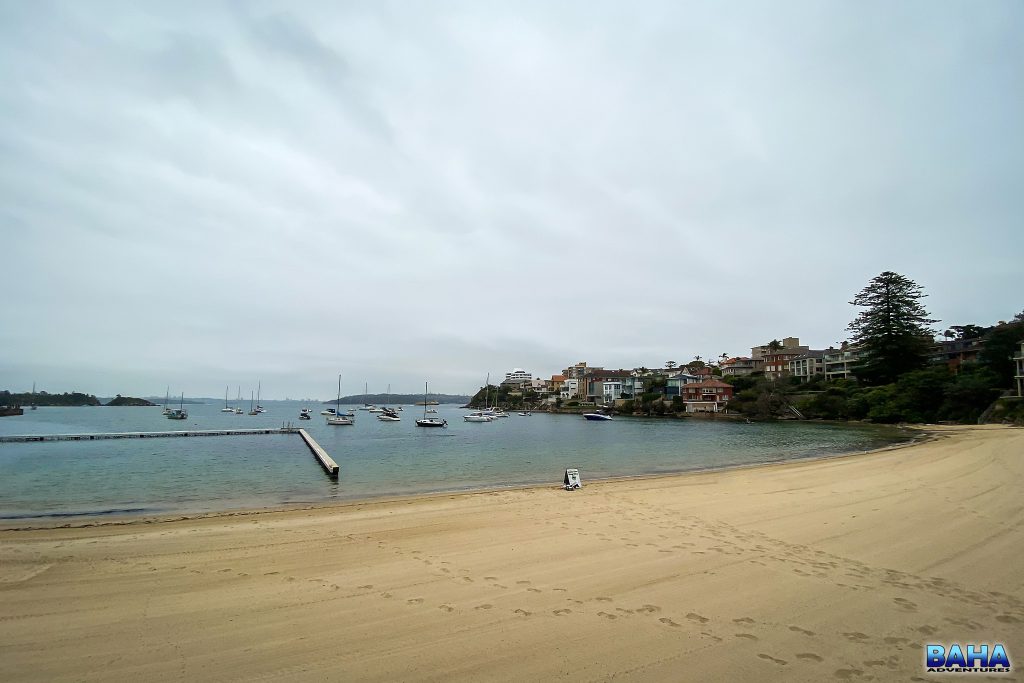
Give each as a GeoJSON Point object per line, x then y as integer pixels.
{"type": "Point", "coordinates": [201, 194]}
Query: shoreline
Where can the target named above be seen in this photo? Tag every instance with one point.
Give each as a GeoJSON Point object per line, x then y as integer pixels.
{"type": "Point", "coordinates": [103, 519]}
{"type": "Point", "coordinates": [834, 568]}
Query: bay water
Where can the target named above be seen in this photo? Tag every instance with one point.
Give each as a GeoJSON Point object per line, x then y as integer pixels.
{"type": "Point", "coordinates": [42, 480]}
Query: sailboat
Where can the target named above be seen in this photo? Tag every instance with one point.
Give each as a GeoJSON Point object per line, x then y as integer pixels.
{"type": "Point", "coordinates": [386, 413]}
{"type": "Point", "coordinates": [252, 411]}
{"type": "Point", "coordinates": [429, 421]}
{"type": "Point", "coordinates": [178, 413]}
{"type": "Point", "coordinates": [338, 418]}
{"type": "Point", "coordinates": [239, 411]}
{"type": "Point", "coordinates": [259, 408]}
{"type": "Point", "coordinates": [33, 406]}
{"type": "Point", "coordinates": [368, 406]}
{"type": "Point", "coordinates": [167, 411]}
{"type": "Point", "coordinates": [226, 408]}
{"type": "Point", "coordinates": [481, 415]}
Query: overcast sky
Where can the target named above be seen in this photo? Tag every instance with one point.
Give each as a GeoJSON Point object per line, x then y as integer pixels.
{"type": "Point", "coordinates": [199, 194]}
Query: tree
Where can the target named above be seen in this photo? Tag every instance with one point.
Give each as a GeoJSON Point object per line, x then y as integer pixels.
{"type": "Point", "coordinates": [1001, 343]}
{"type": "Point", "coordinates": [893, 333]}
{"type": "Point", "coordinates": [670, 364]}
{"type": "Point", "coordinates": [774, 345]}
{"type": "Point", "coordinates": [967, 331]}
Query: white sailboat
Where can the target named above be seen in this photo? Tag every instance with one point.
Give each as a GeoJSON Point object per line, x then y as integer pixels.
{"type": "Point", "coordinates": [226, 408]}
{"type": "Point", "coordinates": [480, 415]}
{"type": "Point", "coordinates": [338, 419]}
{"type": "Point", "coordinates": [167, 398]}
{"type": "Point", "coordinates": [178, 413]}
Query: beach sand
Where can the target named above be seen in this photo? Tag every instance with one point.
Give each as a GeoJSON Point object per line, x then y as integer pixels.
{"type": "Point", "coordinates": [836, 569]}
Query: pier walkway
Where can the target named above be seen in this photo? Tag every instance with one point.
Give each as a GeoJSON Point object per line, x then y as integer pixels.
{"type": "Point", "coordinates": [24, 438]}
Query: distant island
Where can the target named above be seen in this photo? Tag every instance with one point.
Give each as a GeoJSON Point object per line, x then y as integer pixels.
{"type": "Point", "coordinates": [385, 399]}
{"type": "Point", "coordinates": [42, 398]}
{"type": "Point", "coordinates": [129, 401]}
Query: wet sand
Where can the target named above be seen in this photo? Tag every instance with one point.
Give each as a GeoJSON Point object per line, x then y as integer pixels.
{"type": "Point", "coordinates": [836, 569]}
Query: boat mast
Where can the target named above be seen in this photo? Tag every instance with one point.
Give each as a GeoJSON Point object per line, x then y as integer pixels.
{"type": "Point", "coordinates": [337, 408]}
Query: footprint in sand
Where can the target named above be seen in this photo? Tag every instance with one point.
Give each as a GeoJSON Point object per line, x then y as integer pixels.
{"type": "Point", "coordinates": [748, 636]}
{"type": "Point", "coordinates": [607, 616]}
{"type": "Point", "coordinates": [484, 606]}
{"type": "Point", "coordinates": [780, 662]}
{"type": "Point", "coordinates": [856, 636]}
{"type": "Point", "coordinates": [561, 612]}
{"type": "Point", "coordinates": [648, 609]}
{"type": "Point", "coordinates": [804, 631]}
{"type": "Point", "coordinates": [414, 601]}
{"type": "Point", "coordinates": [906, 604]}
{"type": "Point", "coordinates": [602, 599]}
{"type": "Point", "coordinates": [693, 616]}
{"type": "Point", "coordinates": [522, 612]}
{"type": "Point", "coordinates": [810, 656]}
{"type": "Point", "coordinates": [668, 622]}
{"type": "Point", "coordinates": [446, 608]}
{"type": "Point", "coordinates": [467, 579]}
{"type": "Point", "coordinates": [523, 583]}
{"type": "Point", "coordinates": [385, 595]}
{"type": "Point", "coordinates": [743, 620]}
{"type": "Point", "coordinates": [847, 674]}
{"type": "Point", "coordinates": [1007, 619]}
{"type": "Point", "coordinates": [365, 587]}
{"type": "Point", "coordinates": [490, 578]}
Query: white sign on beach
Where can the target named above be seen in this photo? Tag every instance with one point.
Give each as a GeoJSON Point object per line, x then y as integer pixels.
{"type": "Point", "coordinates": [572, 479]}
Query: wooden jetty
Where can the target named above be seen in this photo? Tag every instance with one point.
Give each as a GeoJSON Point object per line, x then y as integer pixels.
{"type": "Point", "coordinates": [325, 460]}
{"type": "Point", "coordinates": [24, 438]}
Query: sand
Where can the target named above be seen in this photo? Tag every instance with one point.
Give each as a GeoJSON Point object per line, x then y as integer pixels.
{"type": "Point", "coordinates": [837, 569]}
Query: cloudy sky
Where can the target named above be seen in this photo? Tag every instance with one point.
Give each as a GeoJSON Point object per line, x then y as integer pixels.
{"type": "Point", "coordinates": [199, 194]}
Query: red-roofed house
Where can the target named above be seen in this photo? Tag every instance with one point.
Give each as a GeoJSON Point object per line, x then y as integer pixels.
{"type": "Point", "coordinates": [709, 396]}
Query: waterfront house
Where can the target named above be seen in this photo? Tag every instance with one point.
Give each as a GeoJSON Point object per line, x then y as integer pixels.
{"type": "Point", "coordinates": [518, 378]}
{"type": "Point", "coordinates": [839, 363]}
{"type": "Point", "coordinates": [775, 357]}
{"type": "Point", "coordinates": [709, 396]}
{"type": "Point", "coordinates": [955, 352]}
{"type": "Point", "coordinates": [675, 382]}
{"type": "Point", "coordinates": [607, 386]}
{"type": "Point", "coordinates": [807, 366]}
{"type": "Point", "coordinates": [739, 366]}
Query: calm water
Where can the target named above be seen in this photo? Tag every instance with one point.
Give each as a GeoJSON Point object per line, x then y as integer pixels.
{"type": "Point", "coordinates": [159, 476]}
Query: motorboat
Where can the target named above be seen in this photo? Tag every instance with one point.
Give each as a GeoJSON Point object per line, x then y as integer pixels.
{"type": "Point", "coordinates": [388, 415]}
{"type": "Point", "coordinates": [431, 410]}
{"type": "Point", "coordinates": [305, 414]}
{"type": "Point", "coordinates": [597, 417]}
{"type": "Point", "coordinates": [478, 417]}
{"type": "Point", "coordinates": [329, 411]}
{"type": "Point", "coordinates": [526, 414]}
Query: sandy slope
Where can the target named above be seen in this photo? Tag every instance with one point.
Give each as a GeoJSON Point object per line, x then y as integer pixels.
{"type": "Point", "coordinates": [832, 570]}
